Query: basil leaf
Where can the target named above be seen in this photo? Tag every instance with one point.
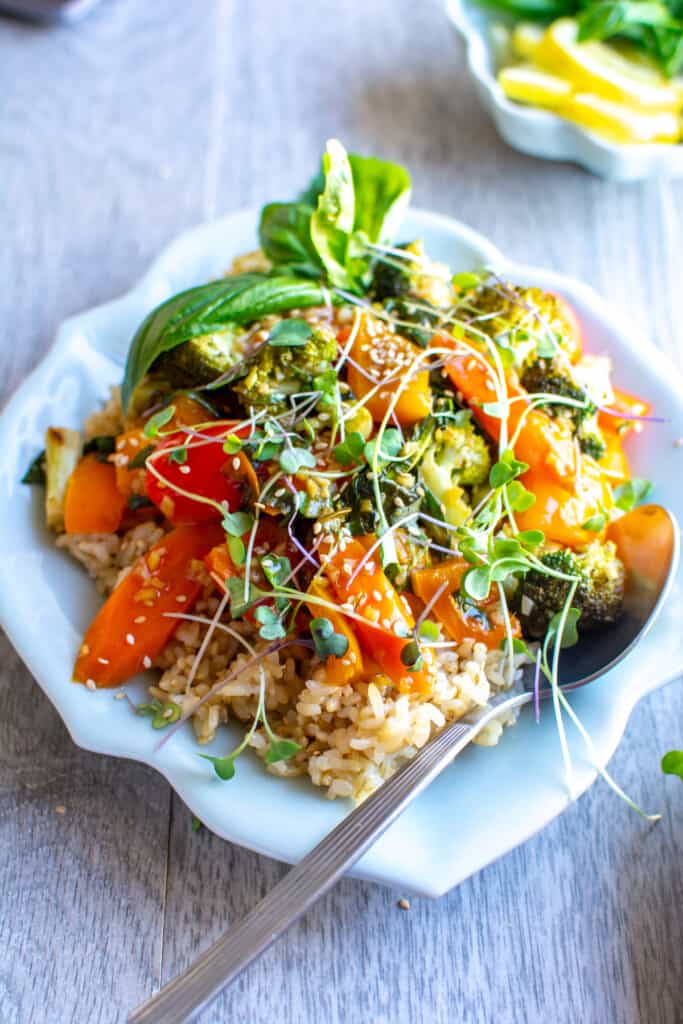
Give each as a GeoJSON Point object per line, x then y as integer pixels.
{"type": "Point", "coordinates": [285, 237]}
{"type": "Point", "coordinates": [35, 472]}
{"type": "Point", "coordinates": [382, 194]}
{"type": "Point", "coordinates": [333, 220]}
{"type": "Point", "coordinates": [290, 333]}
{"type": "Point", "coordinates": [208, 309]}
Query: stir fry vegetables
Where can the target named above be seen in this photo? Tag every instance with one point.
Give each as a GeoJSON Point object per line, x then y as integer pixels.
{"type": "Point", "coordinates": [354, 454]}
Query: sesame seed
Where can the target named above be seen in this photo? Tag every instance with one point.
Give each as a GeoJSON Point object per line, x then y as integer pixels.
{"type": "Point", "coordinates": [147, 663]}
{"type": "Point", "coordinates": [377, 594]}
{"type": "Point", "coordinates": [324, 417]}
{"type": "Point", "coordinates": [140, 618]}
{"type": "Point", "coordinates": [91, 684]}
{"type": "Point", "coordinates": [184, 470]}
{"type": "Point", "coordinates": [236, 463]}
{"type": "Point", "coordinates": [181, 598]}
{"type": "Point", "coordinates": [103, 661]}
{"type": "Point", "coordinates": [403, 904]}
{"type": "Point", "coordinates": [130, 639]}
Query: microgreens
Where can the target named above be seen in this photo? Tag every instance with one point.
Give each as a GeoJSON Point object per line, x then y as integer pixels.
{"type": "Point", "coordinates": [162, 715]}
{"type": "Point", "coordinates": [224, 767]}
{"type": "Point", "coordinates": [411, 656]}
{"type": "Point", "coordinates": [293, 459]}
{"type": "Point", "coordinates": [154, 424]}
{"type": "Point", "coordinates": [236, 524]}
{"type": "Point", "coordinates": [428, 630]}
{"type": "Point", "coordinates": [327, 643]}
{"type": "Point", "coordinates": [276, 569]}
{"type": "Point", "coordinates": [506, 469]}
{"type": "Point", "coordinates": [596, 523]}
{"type": "Point", "coordinates": [281, 750]}
{"type": "Point", "coordinates": [179, 455]}
{"type": "Point", "coordinates": [350, 449]}
{"type": "Point", "coordinates": [271, 623]}
{"type": "Point", "coordinates": [196, 824]}
{"type": "Point", "coordinates": [290, 333]}
{"type": "Point", "coordinates": [390, 445]}
{"type": "Point", "coordinates": [672, 763]}
{"type": "Point", "coordinates": [237, 550]}
{"type": "Point", "coordinates": [631, 493]}
{"type": "Point", "coordinates": [232, 444]}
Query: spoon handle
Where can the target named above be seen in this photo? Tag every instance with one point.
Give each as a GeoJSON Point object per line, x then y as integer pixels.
{"type": "Point", "coordinates": [189, 993]}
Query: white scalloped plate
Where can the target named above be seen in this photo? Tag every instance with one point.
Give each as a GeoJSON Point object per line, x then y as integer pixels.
{"type": "Point", "coordinates": [541, 133]}
{"type": "Point", "coordinates": [485, 804]}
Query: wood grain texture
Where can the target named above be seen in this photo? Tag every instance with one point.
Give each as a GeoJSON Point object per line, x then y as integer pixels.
{"type": "Point", "coordinates": [114, 136]}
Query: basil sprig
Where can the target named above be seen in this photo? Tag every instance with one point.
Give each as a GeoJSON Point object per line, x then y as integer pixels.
{"type": "Point", "coordinates": [208, 309]}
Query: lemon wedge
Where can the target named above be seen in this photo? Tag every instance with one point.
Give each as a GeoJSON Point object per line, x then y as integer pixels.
{"type": "Point", "coordinates": [619, 122]}
{"type": "Point", "coordinates": [525, 39]}
{"type": "Point", "coordinates": [594, 67]}
{"type": "Point", "coordinates": [527, 84]}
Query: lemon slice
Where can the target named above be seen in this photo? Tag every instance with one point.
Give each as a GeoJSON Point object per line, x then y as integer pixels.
{"type": "Point", "coordinates": [525, 39]}
{"type": "Point", "coordinates": [597, 68]}
{"type": "Point", "coordinates": [619, 122]}
{"type": "Point", "coordinates": [527, 84]}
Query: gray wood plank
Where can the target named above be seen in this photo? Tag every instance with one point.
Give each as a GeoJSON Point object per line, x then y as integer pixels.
{"type": "Point", "coordinates": [143, 120]}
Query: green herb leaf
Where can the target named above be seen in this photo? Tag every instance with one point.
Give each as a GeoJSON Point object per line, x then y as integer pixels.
{"type": "Point", "coordinates": [281, 750]}
{"type": "Point", "coordinates": [140, 458]}
{"type": "Point", "coordinates": [161, 714]}
{"type": "Point", "coordinates": [238, 604]}
{"type": "Point", "coordinates": [429, 630]}
{"type": "Point", "coordinates": [179, 455]}
{"type": "Point", "coordinates": [350, 449]}
{"type": "Point", "coordinates": [158, 420]}
{"type": "Point", "coordinates": [327, 643]}
{"type": "Point", "coordinates": [35, 474]}
{"type": "Point", "coordinates": [570, 635]}
{"type": "Point", "coordinates": [391, 444]}
{"type": "Point", "coordinates": [519, 497]}
{"type": "Point", "coordinates": [103, 446]}
{"type": "Point", "coordinates": [224, 767]}
{"type": "Point", "coordinates": [293, 459]}
{"type": "Point", "coordinates": [237, 550]}
{"type": "Point", "coordinates": [476, 583]}
{"type": "Point", "coordinates": [232, 444]}
{"type": "Point", "coordinates": [466, 281]}
{"type": "Point", "coordinates": [531, 538]}
{"type": "Point", "coordinates": [209, 309]}
{"type": "Point", "coordinates": [596, 523]}
{"type": "Point", "coordinates": [276, 569]}
{"type": "Point", "coordinates": [271, 624]}
{"type": "Point", "coordinates": [631, 493]}
{"type": "Point", "coordinates": [411, 656]}
{"type": "Point", "coordinates": [506, 469]}
{"type": "Point", "coordinates": [672, 763]}
{"type": "Point", "coordinates": [290, 333]}
{"type": "Point", "coordinates": [236, 524]}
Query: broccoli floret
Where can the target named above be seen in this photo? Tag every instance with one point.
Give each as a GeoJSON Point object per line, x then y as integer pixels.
{"type": "Point", "coordinates": [413, 320]}
{"type": "Point", "coordinates": [457, 457]}
{"type": "Point", "coordinates": [545, 377]}
{"type": "Point", "coordinates": [276, 372]}
{"type": "Point", "coordinates": [526, 317]}
{"type": "Point", "coordinates": [599, 594]}
{"type": "Point", "coordinates": [200, 360]}
{"type": "Point", "coordinates": [592, 444]}
{"type": "Point", "coordinates": [419, 279]}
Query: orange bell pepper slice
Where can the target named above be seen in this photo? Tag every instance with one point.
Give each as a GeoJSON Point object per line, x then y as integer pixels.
{"type": "Point", "coordinates": [128, 445]}
{"type": "Point", "coordinates": [349, 668]}
{"type": "Point", "coordinates": [629, 404]}
{"type": "Point", "coordinates": [93, 502]}
{"type": "Point", "coordinates": [384, 355]}
{"type": "Point", "coordinates": [560, 512]}
{"type": "Point", "coordinates": [376, 600]}
{"type": "Point", "coordinates": [131, 628]}
{"type": "Point", "coordinates": [614, 463]}
{"type": "Point", "coordinates": [542, 441]}
{"type": "Point", "coordinates": [459, 623]}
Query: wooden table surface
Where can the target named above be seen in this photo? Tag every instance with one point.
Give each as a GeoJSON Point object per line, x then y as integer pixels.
{"type": "Point", "coordinates": [115, 135]}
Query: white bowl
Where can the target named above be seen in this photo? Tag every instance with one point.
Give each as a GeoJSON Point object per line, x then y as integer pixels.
{"type": "Point", "coordinates": [490, 800]}
{"type": "Point", "coordinates": [541, 133]}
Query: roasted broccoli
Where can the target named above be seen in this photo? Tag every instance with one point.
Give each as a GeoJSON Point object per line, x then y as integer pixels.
{"type": "Point", "coordinates": [591, 443]}
{"type": "Point", "coordinates": [544, 376]}
{"type": "Point", "coordinates": [529, 321]}
{"type": "Point", "coordinates": [201, 360]}
{"type": "Point", "coordinates": [419, 278]}
{"type": "Point", "coordinates": [276, 372]}
{"type": "Point", "coordinates": [458, 457]}
{"type": "Point", "coordinates": [599, 594]}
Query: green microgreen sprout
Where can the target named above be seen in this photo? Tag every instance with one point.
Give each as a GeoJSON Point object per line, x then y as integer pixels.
{"type": "Point", "coordinates": [154, 424]}
{"type": "Point", "coordinates": [139, 460]}
{"type": "Point", "coordinates": [631, 493]}
{"type": "Point", "coordinates": [672, 763]}
{"type": "Point", "coordinates": [162, 715]}
{"type": "Point", "coordinates": [327, 643]}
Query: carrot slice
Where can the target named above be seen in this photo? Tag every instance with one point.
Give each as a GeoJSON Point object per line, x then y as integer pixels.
{"type": "Point", "coordinates": [93, 502]}
{"type": "Point", "coordinates": [389, 622]}
{"type": "Point", "coordinates": [132, 627]}
{"type": "Point", "coordinates": [460, 621]}
{"type": "Point", "coordinates": [379, 354]}
{"type": "Point", "coordinates": [542, 441]}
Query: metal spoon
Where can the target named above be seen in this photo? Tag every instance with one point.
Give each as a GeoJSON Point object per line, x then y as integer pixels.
{"type": "Point", "coordinates": [648, 543]}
